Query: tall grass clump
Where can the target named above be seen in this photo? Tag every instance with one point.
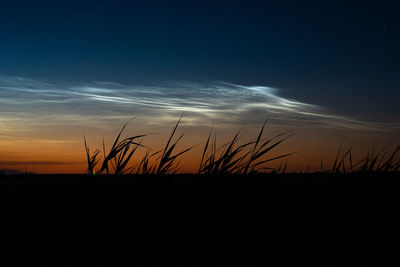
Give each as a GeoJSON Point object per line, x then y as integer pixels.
{"type": "Point", "coordinates": [168, 159]}
{"type": "Point", "coordinates": [385, 160]}
{"type": "Point", "coordinates": [165, 162]}
{"type": "Point", "coordinates": [341, 165]}
{"type": "Point", "coordinates": [91, 158]}
{"type": "Point", "coordinates": [145, 166]}
{"type": "Point", "coordinates": [117, 158]}
{"type": "Point", "coordinates": [120, 153]}
{"type": "Point", "coordinates": [246, 158]}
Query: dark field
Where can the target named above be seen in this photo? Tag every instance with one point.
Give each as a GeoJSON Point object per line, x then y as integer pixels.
{"type": "Point", "coordinates": [186, 220]}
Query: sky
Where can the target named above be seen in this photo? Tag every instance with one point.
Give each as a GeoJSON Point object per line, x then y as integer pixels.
{"type": "Point", "coordinates": [328, 71]}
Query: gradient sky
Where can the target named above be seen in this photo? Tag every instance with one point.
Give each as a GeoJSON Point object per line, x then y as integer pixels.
{"type": "Point", "coordinates": [327, 70]}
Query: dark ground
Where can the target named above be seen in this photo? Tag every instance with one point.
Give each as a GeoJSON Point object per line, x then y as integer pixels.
{"type": "Point", "coordinates": [186, 220]}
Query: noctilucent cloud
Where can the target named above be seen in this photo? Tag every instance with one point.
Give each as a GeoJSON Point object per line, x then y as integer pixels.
{"type": "Point", "coordinates": [217, 102]}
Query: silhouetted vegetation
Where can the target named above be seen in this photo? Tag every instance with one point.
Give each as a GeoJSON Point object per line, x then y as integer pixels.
{"type": "Point", "coordinates": [230, 158]}
{"type": "Point", "coordinates": [385, 160]}
{"type": "Point", "coordinates": [240, 159]}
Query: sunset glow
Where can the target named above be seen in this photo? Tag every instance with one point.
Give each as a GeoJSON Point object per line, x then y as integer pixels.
{"type": "Point", "coordinates": [69, 71]}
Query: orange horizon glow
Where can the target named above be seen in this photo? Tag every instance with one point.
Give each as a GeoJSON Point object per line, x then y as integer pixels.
{"type": "Point", "coordinates": [68, 156]}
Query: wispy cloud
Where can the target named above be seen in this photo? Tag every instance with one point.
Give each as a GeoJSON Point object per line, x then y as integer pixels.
{"type": "Point", "coordinates": [37, 103]}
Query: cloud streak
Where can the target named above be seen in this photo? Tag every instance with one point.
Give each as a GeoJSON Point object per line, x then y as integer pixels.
{"type": "Point", "coordinates": [35, 103]}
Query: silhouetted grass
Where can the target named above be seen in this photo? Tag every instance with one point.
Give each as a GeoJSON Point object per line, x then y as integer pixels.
{"type": "Point", "coordinates": [230, 158]}
{"type": "Point", "coordinates": [145, 166]}
{"type": "Point", "coordinates": [167, 159]}
{"type": "Point", "coordinates": [229, 161]}
{"type": "Point", "coordinates": [386, 159]}
{"type": "Point", "coordinates": [118, 156]}
{"type": "Point", "coordinates": [91, 159]}
{"type": "Point", "coordinates": [241, 159]}
{"type": "Point", "coordinates": [121, 153]}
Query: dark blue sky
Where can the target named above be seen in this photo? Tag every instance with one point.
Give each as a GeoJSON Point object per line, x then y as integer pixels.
{"type": "Point", "coordinates": [344, 55]}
